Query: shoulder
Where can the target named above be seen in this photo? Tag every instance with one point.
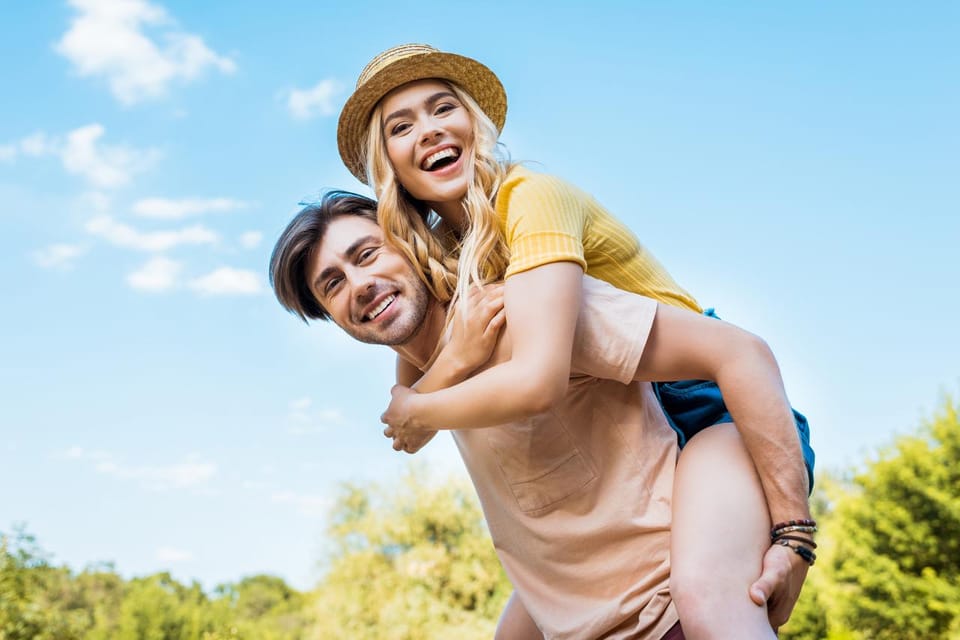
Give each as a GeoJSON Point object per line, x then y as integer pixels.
{"type": "Point", "coordinates": [523, 185]}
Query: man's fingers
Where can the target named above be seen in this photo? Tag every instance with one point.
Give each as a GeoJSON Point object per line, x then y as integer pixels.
{"type": "Point", "coordinates": [763, 588]}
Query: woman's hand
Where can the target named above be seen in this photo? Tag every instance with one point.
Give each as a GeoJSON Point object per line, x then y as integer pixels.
{"type": "Point", "coordinates": [407, 434]}
{"type": "Point", "coordinates": [473, 339]}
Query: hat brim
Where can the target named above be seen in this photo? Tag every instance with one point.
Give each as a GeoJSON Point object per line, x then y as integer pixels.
{"type": "Point", "coordinates": [475, 78]}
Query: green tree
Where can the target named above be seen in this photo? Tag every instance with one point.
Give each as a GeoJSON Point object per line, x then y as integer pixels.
{"type": "Point", "coordinates": [889, 565]}
{"type": "Point", "coordinates": [411, 563]}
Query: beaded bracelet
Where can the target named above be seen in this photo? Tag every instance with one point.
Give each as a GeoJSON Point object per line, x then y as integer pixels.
{"type": "Point", "coordinates": [806, 522]}
{"type": "Point", "coordinates": [808, 556]}
{"type": "Point", "coordinates": [774, 533]}
{"type": "Point", "coordinates": [802, 539]}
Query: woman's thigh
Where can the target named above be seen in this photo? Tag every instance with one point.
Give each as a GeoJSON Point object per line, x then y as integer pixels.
{"type": "Point", "coordinates": [719, 536]}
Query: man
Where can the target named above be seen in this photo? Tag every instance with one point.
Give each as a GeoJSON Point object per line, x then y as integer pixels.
{"type": "Point", "coordinates": [577, 499]}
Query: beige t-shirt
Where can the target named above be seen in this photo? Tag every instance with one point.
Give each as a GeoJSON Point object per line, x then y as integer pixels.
{"type": "Point", "coordinates": [578, 499]}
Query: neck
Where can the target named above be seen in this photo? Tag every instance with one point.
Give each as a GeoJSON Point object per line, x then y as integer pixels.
{"type": "Point", "coordinates": [420, 348]}
{"type": "Point", "coordinates": [453, 213]}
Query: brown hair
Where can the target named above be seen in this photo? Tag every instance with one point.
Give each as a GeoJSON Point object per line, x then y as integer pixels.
{"type": "Point", "coordinates": [291, 254]}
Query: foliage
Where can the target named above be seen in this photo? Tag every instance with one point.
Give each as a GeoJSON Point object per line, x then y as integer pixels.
{"type": "Point", "coordinates": [42, 602]}
{"type": "Point", "coordinates": [415, 562]}
{"type": "Point", "coordinates": [412, 563]}
{"type": "Point", "coordinates": [890, 558]}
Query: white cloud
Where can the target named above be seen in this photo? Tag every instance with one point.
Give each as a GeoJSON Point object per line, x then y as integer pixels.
{"type": "Point", "coordinates": [304, 104]}
{"type": "Point", "coordinates": [39, 144]}
{"type": "Point", "coordinates": [107, 39]}
{"type": "Point", "coordinates": [157, 275]}
{"type": "Point", "coordinates": [58, 256]}
{"type": "Point", "coordinates": [167, 209]}
{"type": "Point", "coordinates": [104, 166]}
{"type": "Point", "coordinates": [170, 555]}
{"type": "Point", "coordinates": [228, 281]}
{"type": "Point", "coordinates": [250, 239]}
{"type": "Point", "coordinates": [123, 235]}
{"type": "Point", "coordinates": [192, 473]}
{"type": "Point", "coordinates": [184, 475]}
{"type": "Point", "coordinates": [308, 505]}
{"type": "Point", "coordinates": [79, 453]}
{"type": "Point", "coordinates": [305, 422]}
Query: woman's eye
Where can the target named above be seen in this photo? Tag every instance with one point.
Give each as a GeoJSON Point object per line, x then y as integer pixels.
{"type": "Point", "coordinates": [444, 108]}
{"type": "Point", "coordinates": [399, 128]}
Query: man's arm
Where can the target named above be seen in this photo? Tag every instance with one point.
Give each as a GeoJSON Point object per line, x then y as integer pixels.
{"type": "Point", "coordinates": [686, 345]}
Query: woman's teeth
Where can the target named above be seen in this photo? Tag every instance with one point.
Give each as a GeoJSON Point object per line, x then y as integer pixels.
{"type": "Point", "coordinates": [430, 162]}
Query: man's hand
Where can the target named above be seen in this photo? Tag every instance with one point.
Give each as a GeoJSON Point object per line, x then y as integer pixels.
{"type": "Point", "coordinates": [779, 583]}
{"type": "Point", "coordinates": [406, 433]}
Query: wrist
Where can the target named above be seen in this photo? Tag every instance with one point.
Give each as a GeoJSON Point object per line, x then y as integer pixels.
{"type": "Point", "coordinates": [453, 364]}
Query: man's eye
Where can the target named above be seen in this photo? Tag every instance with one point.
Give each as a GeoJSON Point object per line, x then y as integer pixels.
{"type": "Point", "coordinates": [366, 254]}
{"type": "Point", "coordinates": [330, 285]}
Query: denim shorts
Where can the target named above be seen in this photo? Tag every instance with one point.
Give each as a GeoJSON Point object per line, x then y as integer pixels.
{"type": "Point", "coordinates": [693, 405]}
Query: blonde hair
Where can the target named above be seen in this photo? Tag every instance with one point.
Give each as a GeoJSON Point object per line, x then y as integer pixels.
{"type": "Point", "coordinates": [479, 251]}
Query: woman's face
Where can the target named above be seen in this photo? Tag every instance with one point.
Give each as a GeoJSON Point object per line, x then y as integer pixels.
{"type": "Point", "coordinates": [429, 136]}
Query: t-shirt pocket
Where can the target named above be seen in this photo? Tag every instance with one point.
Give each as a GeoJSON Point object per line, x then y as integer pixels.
{"type": "Point", "coordinates": [540, 461]}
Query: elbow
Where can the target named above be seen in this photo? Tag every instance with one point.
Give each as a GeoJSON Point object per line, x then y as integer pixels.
{"type": "Point", "coordinates": [539, 396]}
{"type": "Point", "coordinates": [752, 353]}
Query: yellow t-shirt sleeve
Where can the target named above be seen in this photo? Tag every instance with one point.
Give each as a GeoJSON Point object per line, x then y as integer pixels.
{"type": "Point", "coordinates": [544, 221]}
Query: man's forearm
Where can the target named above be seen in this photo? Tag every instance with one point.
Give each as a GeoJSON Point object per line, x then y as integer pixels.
{"type": "Point", "coordinates": [753, 392]}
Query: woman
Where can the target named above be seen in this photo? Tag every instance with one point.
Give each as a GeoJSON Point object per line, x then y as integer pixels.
{"type": "Point", "coordinates": [422, 129]}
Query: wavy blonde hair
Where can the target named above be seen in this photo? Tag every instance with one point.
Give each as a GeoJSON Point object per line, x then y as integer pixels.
{"type": "Point", "coordinates": [478, 251]}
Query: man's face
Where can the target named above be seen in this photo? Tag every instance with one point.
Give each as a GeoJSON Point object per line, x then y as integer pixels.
{"type": "Point", "coordinates": [368, 289]}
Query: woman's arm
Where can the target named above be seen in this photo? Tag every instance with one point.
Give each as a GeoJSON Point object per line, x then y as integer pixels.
{"type": "Point", "coordinates": [542, 306]}
{"type": "Point", "coordinates": [472, 341]}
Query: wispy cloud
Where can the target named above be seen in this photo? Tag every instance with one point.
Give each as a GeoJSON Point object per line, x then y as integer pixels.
{"type": "Point", "coordinates": [318, 100]}
{"type": "Point", "coordinates": [104, 166]}
{"type": "Point", "coordinates": [8, 152]}
{"type": "Point", "coordinates": [156, 276]}
{"type": "Point", "coordinates": [171, 555]}
{"type": "Point", "coordinates": [169, 209]}
{"type": "Point", "coordinates": [58, 256]}
{"type": "Point", "coordinates": [303, 421]}
{"type": "Point", "coordinates": [82, 153]}
{"type": "Point", "coordinates": [228, 281]}
{"type": "Point", "coordinates": [123, 235]}
{"type": "Point", "coordinates": [192, 473]}
{"type": "Point", "coordinates": [250, 239]}
{"type": "Point", "coordinates": [107, 39]}
{"type": "Point", "coordinates": [306, 504]}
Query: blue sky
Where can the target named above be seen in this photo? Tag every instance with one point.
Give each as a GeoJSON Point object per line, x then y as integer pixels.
{"type": "Point", "coordinates": [793, 165]}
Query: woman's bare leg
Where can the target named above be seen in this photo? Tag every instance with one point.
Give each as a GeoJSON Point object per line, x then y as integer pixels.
{"type": "Point", "coordinates": [720, 532]}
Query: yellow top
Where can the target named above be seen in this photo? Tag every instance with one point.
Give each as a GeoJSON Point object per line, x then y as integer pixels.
{"type": "Point", "coordinates": [545, 219]}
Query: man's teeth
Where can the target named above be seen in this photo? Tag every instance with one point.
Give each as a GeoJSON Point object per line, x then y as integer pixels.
{"type": "Point", "coordinates": [434, 158]}
{"type": "Point", "coordinates": [380, 307]}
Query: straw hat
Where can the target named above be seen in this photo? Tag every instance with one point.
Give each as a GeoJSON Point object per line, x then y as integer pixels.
{"type": "Point", "coordinates": [398, 66]}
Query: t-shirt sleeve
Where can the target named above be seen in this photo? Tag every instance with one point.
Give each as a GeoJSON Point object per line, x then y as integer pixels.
{"type": "Point", "coordinates": [612, 331]}
{"type": "Point", "coordinates": [544, 221]}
